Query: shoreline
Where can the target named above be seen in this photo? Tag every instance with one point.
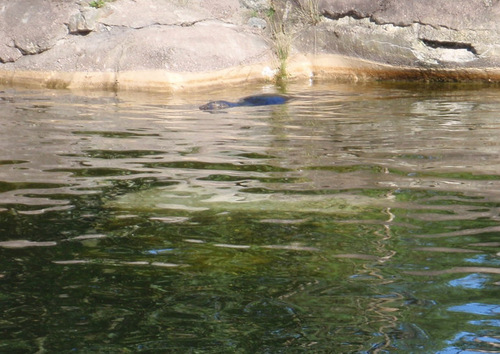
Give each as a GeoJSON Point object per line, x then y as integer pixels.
{"type": "Point", "coordinates": [327, 67]}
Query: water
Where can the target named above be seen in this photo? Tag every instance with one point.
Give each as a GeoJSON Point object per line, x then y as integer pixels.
{"type": "Point", "coordinates": [354, 219]}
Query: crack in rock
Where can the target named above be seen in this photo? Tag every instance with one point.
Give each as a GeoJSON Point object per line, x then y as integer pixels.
{"type": "Point", "coordinates": [355, 15]}
{"type": "Point", "coordinates": [449, 45]}
{"type": "Point", "coordinates": [351, 13]}
{"type": "Point", "coordinates": [160, 24]}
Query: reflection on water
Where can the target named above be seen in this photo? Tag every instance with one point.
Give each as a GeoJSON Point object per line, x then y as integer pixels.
{"type": "Point", "coordinates": [355, 218]}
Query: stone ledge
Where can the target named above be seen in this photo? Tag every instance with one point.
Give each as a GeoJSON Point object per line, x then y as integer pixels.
{"type": "Point", "coordinates": [140, 80]}
{"type": "Point", "coordinates": [300, 68]}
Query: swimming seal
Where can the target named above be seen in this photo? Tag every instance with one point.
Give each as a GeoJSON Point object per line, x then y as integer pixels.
{"type": "Point", "coordinates": [258, 100]}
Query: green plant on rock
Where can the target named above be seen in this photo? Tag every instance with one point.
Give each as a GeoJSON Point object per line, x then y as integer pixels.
{"type": "Point", "coordinates": [270, 12]}
{"type": "Point", "coordinates": [281, 37]}
{"type": "Point", "coordinates": [97, 4]}
{"type": "Point", "coordinates": [282, 47]}
{"type": "Point", "coordinates": [287, 19]}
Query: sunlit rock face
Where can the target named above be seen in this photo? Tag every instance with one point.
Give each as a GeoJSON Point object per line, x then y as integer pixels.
{"type": "Point", "coordinates": [31, 28]}
{"type": "Point", "coordinates": [422, 34]}
{"type": "Point", "coordinates": [125, 44]}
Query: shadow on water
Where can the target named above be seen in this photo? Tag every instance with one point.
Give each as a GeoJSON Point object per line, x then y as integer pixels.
{"type": "Point", "coordinates": [355, 218]}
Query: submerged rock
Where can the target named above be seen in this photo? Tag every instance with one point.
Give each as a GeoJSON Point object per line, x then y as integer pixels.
{"type": "Point", "coordinates": [182, 199]}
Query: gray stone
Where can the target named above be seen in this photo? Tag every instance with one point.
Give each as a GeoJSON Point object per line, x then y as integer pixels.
{"type": "Point", "coordinates": [456, 14]}
{"type": "Point", "coordinates": [34, 26]}
{"type": "Point", "coordinates": [228, 10]}
{"type": "Point", "coordinates": [140, 14]}
{"type": "Point", "coordinates": [83, 22]}
{"type": "Point", "coordinates": [257, 22]}
{"type": "Point", "coordinates": [204, 46]}
{"type": "Point", "coordinates": [218, 46]}
{"type": "Point", "coordinates": [354, 8]}
{"type": "Point", "coordinates": [8, 53]}
{"type": "Point", "coordinates": [257, 5]}
{"type": "Point", "coordinates": [168, 35]}
{"type": "Point", "coordinates": [423, 34]}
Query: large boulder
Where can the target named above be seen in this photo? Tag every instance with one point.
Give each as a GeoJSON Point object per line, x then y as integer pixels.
{"type": "Point", "coordinates": [88, 44]}
{"type": "Point", "coordinates": [32, 27]}
{"type": "Point", "coordinates": [420, 34]}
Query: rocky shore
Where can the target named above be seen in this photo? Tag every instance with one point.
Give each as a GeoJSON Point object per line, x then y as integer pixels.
{"type": "Point", "coordinates": [183, 44]}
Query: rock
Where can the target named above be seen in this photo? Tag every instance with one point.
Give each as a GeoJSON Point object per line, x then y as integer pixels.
{"type": "Point", "coordinates": [172, 44]}
{"type": "Point", "coordinates": [32, 27]}
{"type": "Point", "coordinates": [257, 22]}
{"type": "Point", "coordinates": [83, 22]}
{"type": "Point", "coordinates": [257, 5]}
{"type": "Point", "coordinates": [9, 53]}
{"type": "Point", "coordinates": [423, 34]}
{"type": "Point", "coordinates": [457, 14]}
{"type": "Point", "coordinates": [125, 13]}
{"type": "Point", "coordinates": [342, 8]}
{"type": "Point", "coordinates": [146, 49]}
{"type": "Point", "coordinates": [227, 10]}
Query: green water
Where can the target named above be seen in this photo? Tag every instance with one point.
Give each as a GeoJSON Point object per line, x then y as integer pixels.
{"type": "Point", "coordinates": [353, 219]}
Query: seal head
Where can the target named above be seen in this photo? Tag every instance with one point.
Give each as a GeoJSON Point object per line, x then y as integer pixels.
{"type": "Point", "coordinates": [214, 105]}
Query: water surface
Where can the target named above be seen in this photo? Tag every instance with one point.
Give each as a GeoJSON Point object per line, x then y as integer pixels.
{"type": "Point", "coordinates": [355, 218]}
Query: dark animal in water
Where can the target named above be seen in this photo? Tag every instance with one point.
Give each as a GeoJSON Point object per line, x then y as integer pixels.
{"type": "Point", "coordinates": [258, 100]}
